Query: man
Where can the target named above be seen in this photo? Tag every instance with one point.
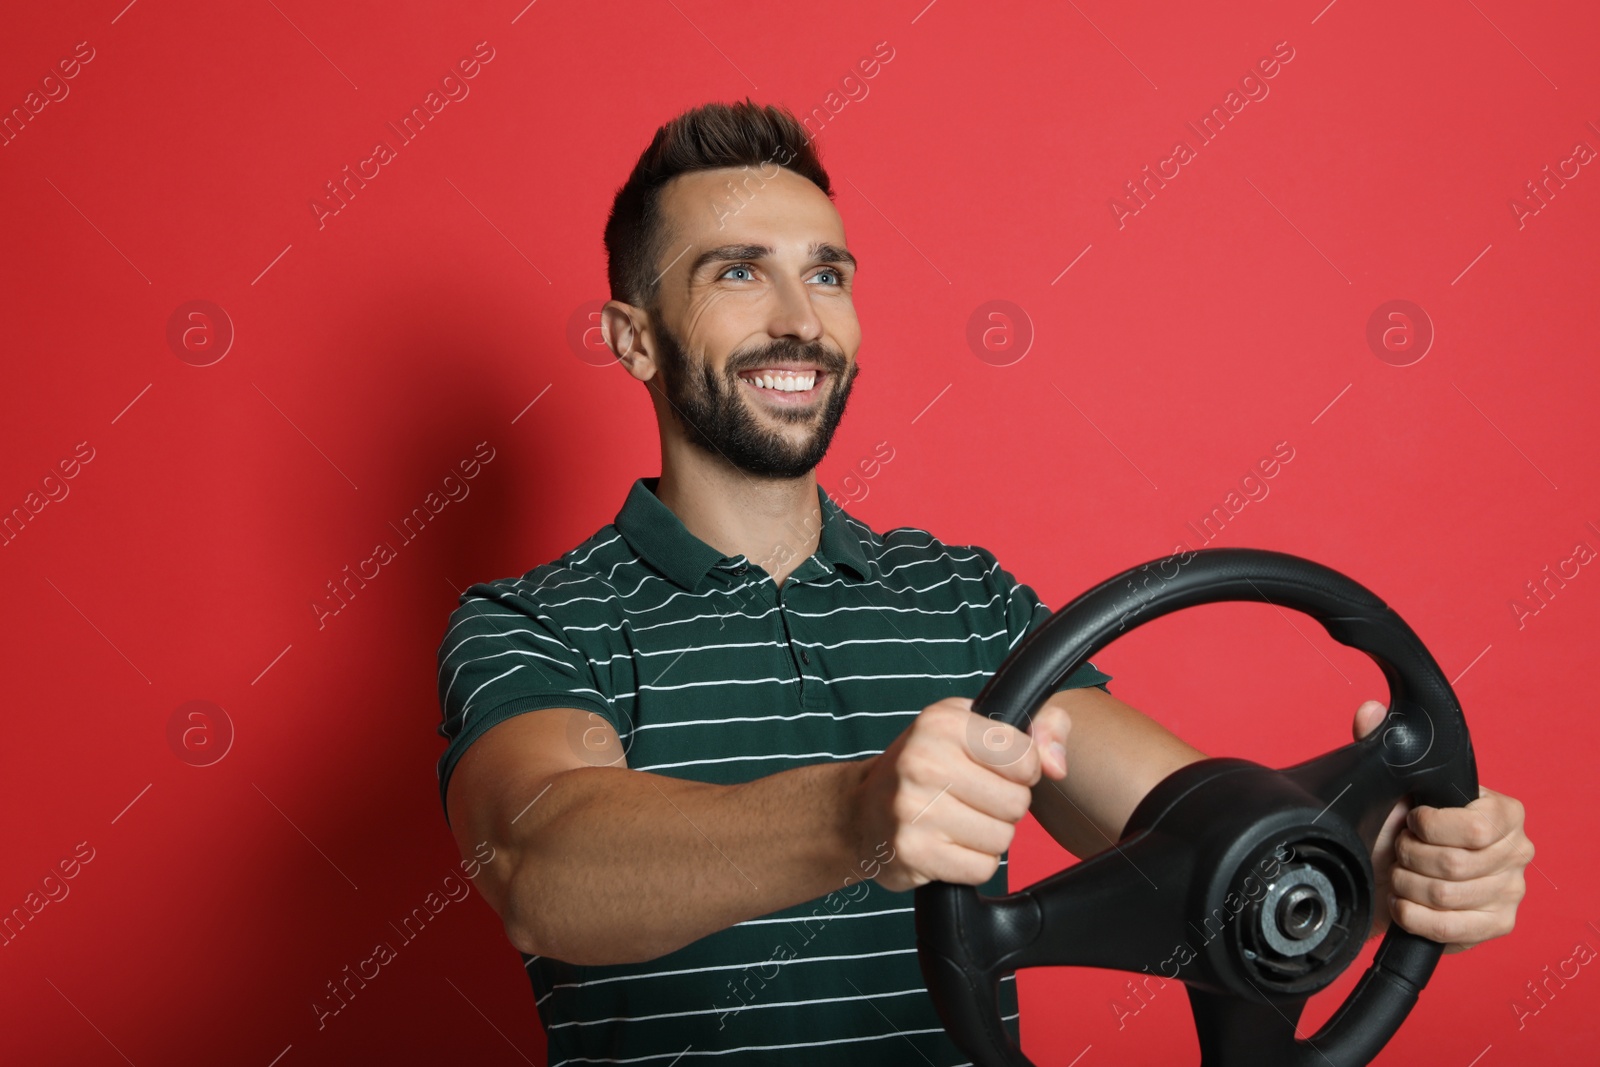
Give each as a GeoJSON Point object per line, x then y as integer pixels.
{"type": "Point", "coordinates": [710, 750]}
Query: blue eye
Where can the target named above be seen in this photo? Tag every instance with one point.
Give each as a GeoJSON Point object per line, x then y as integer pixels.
{"type": "Point", "coordinates": [739, 266]}
{"type": "Point", "coordinates": [833, 273]}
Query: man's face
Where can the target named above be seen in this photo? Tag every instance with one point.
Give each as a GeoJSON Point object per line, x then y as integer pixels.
{"type": "Point", "coordinates": [754, 330]}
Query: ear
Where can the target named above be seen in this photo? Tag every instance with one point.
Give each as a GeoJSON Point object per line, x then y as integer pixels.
{"type": "Point", "coordinates": [627, 332]}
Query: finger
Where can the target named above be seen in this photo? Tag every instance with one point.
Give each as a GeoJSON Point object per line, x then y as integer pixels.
{"type": "Point", "coordinates": [1449, 927]}
{"type": "Point", "coordinates": [1450, 862]}
{"type": "Point", "coordinates": [963, 866]}
{"type": "Point", "coordinates": [1505, 813]}
{"type": "Point", "coordinates": [1468, 827]}
{"type": "Point", "coordinates": [1002, 748]}
{"type": "Point", "coordinates": [1383, 848]}
{"type": "Point", "coordinates": [948, 819]}
{"type": "Point", "coordinates": [975, 789]}
{"type": "Point", "coordinates": [1498, 890]}
{"type": "Point", "coordinates": [1369, 716]}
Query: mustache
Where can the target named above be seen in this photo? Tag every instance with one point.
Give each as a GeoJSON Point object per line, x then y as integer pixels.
{"type": "Point", "coordinates": [788, 350]}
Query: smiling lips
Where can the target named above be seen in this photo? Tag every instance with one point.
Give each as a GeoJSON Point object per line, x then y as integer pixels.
{"type": "Point", "coordinates": [785, 385]}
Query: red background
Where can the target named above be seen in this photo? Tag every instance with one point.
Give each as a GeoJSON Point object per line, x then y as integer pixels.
{"type": "Point", "coordinates": [374, 353]}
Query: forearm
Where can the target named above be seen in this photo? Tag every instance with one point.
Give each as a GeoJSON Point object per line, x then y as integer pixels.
{"type": "Point", "coordinates": [625, 865]}
{"type": "Point", "coordinates": [1115, 755]}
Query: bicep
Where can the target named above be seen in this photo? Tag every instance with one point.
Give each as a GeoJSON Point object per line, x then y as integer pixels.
{"type": "Point", "coordinates": [494, 794]}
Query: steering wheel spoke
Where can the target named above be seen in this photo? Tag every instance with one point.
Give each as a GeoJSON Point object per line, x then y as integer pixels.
{"type": "Point", "coordinates": [1356, 782]}
{"type": "Point", "coordinates": [1112, 910]}
{"type": "Point", "coordinates": [1234, 1032]}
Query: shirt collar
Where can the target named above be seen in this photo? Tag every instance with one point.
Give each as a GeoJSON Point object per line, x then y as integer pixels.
{"type": "Point", "coordinates": [659, 537]}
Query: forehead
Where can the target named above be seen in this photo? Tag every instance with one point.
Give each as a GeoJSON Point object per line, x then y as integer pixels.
{"type": "Point", "coordinates": [703, 208]}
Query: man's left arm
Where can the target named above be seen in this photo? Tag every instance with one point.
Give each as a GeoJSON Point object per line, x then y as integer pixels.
{"type": "Point", "coordinates": [1453, 875]}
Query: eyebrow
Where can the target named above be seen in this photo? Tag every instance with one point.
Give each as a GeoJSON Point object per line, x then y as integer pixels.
{"type": "Point", "coordinates": [820, 252]}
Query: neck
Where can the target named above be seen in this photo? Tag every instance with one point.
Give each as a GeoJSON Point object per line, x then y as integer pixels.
{"type": "Point", "coordinates": [776, 523]}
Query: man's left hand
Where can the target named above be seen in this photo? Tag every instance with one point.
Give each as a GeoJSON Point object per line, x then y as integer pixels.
{"type": "Point", "coordinates": [1452, 875]}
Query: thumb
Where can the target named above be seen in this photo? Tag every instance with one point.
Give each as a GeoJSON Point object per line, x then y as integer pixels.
{"type": "Point", "coordinates": [1050, 731]}
{"type": "Point", "coordinates": [1368, 718]}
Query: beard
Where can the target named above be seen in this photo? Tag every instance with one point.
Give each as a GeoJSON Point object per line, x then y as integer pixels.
{"type": "Point", "coordinates": [717, 418]}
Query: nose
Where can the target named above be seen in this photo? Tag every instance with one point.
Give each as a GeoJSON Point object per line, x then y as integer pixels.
{"type": "Point", "coordinates": [792, 313]}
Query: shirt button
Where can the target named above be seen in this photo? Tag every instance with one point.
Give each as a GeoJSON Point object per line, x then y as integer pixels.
{"type": "Point", "coordinates": [805, 657]}
{"type": "Point", "coordinates": [741, 568]}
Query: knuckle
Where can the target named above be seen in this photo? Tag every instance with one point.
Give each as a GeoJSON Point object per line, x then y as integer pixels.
{"type": "Point", "coordinates": [1516, 889]}
{"type": "Point", "coordinates": [1414, 918]}
{"type": "Point", "coordinates": [904, 808]}
{"type": "Point", "coordinates": [1515, 810]}
{"type": "Point", "coordinates": [1480, 834]}
{"type": "Point", "coordinates": [1451, 927]}
{"type": "Point", "coordinates": [1442, 894]}
{"type": "Point", "coordinates": [908, 856]}
{"type": "Point", "coordinates": [1428, 824]}
{"type": "Point", "coordinates": [1019, 801]}
{"type": "Point", "coordinates": [1455, 864]}
{"type": "Point", "coordinates": [1405, 885]}
{"type": "Point", "coordinates": [1405, 851]}
{"type": "Point", "coordinates": [918, 763]}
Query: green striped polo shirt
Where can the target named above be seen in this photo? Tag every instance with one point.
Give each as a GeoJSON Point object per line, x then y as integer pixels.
{"type": "Point", "coordinates": [709, 671]}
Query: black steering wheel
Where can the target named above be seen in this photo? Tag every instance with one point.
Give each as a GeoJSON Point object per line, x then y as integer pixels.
{"type": "Point", "coordinates": [1252, 886]}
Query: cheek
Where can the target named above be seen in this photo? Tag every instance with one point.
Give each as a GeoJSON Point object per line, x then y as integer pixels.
{"type": "Point", "coordinates": [707, 320]}
{"type": "Point", "coordinates": [843, 328]}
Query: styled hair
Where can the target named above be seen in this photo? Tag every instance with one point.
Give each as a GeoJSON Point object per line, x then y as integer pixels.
{"type": "Point", "coordinates": [708, 137]}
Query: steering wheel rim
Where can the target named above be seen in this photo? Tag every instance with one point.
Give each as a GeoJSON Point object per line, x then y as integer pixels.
{"type": "Point", "coordinates": [1197, 829]}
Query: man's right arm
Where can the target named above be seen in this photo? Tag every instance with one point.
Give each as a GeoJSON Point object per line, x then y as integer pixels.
{"type": "Point", "coordinates": [595, 863]}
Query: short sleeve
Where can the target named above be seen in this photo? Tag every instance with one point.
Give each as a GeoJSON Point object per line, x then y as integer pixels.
{"type": "Point", "coordinates": [1025, 612]}
{"type": "Point", "coordinates": [502, 656]}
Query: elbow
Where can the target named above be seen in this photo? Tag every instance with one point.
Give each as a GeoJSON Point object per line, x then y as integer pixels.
{"type": "Point", "coordinates": [514, 901]}
{"type": "Point", "coordinates": [530, 938]}
{"type": "Point", "coordinates": [522, 935]}
{"type": "Point", "coordinates": [528, 928]}
{"type": "Point", "coordinates": [536, 927]}
{"type": "Point", "coordinates": [520, 914]}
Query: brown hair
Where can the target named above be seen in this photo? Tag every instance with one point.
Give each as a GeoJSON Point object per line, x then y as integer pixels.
{"type": "Point", "coordinates": [741, 134]}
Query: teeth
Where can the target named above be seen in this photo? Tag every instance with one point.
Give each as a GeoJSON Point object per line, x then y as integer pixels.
{"type": "Point", "coordinates": [785, 382]}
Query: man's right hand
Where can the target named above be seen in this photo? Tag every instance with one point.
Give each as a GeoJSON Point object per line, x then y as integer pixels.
{"type": "Point", "coordinates": [947, 795]}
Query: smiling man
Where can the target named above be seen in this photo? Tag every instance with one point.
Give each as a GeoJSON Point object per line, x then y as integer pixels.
{"type": "Point", "coordinates": [714, 746]}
